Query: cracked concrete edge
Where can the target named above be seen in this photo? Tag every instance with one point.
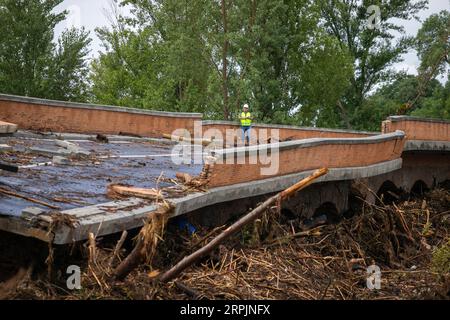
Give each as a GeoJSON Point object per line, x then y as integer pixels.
{"type": "Point", "coordinates": [64, 104]}
{"type": "Point", "coordinates": [427, 145]}
{"type": "Point", "coordinates": [103, 223]}
{"type": "Point", "coordinates": [283, 126]}
{"type": "Point", "coordinates": [307, 143]}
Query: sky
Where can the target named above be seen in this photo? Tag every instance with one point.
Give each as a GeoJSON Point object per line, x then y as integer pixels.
{"type": "Point", "coordinates": [93, 14]}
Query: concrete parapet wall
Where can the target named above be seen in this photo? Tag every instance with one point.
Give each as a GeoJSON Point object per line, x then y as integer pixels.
{"type": "Point", "coordinates": [285, 132]}
{"type": "Point", "coordinates": [58, 116]}
{"type": "Point", "coordinates": [235, 165]}
{"type": "Point", "coordinates": [418, 128]}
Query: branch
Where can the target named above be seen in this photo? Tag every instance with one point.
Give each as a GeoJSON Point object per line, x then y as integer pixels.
{"type": "Point", "coordinates": [237, 226]}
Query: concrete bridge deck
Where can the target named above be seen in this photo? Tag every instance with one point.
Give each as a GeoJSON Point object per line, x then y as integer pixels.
{"type": "Point", "coordinates": [406, 152]}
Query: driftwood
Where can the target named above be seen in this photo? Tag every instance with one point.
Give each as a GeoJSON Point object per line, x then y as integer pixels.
{"type": "Point", "coordinates": [92, 250]}
{"type": "Point", "coordinates": [184, 177]}
{"type": "Point", "coordinates": [194, 182]}
{"type": "Point", "coordinates": [134, 259]}
{"type": "Point", "coordinates": [120, 191]}
{"type": "Point", "coordinates": [147, 240]}
{"type": "Point", "coordinates": [253, 215]}
{"type": "Point", "coordinates": [194, 294]}
{"type": "Point", "coordinates": [119, 246]}
{"type": "Point", "coordinates": [14, 194]}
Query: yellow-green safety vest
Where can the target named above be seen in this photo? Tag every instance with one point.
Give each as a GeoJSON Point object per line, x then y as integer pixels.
{"type": "Point", "coordinates": [245, 119]}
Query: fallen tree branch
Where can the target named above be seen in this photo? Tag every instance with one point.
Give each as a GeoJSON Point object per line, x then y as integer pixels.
{"type": "Point", "coordinates": [147, 241]}
{"type": "Point", "coordinates": [119, 246]}
{"type": "Point", "coordinates": [92, 250]}
{"type": "Point", "coordinates": [194, 294]}
{"type": "Point", "coordinates": [253, 215]}
{"type": "Point", "coordinates": [14, 194]}
{"type": "Point", "coordinates": [307, 233]}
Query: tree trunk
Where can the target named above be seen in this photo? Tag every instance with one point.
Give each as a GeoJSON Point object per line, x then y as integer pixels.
{"type": "Point", "coordinates": [226, 112]}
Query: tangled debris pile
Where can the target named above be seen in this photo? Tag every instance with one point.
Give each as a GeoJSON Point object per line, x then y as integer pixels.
{"type": "Point", "coordinates": [409, 241]}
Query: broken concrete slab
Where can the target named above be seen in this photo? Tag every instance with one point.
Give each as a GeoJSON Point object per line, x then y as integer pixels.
{"type": "Point", "coordinates": [66, 144]}
{"type": "Point", "coordinates": [58, 160]}
{"type": "Point", "coordinates": [49, 152]}
{"type": "Point", "coordinates": [5, 147]}
{"type": "Point", "coordinates": [73, 148]}
{"type": "Point", "coordinates": [62, 152]}
{"type": "Point", "coordinates": [6, 127]}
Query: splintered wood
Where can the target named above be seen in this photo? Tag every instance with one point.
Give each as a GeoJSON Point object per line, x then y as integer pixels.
{"type": "Point", "coordinates": [147, 241]}
{"type": "Point", "coordinates": [198, 183]}
{"type": "Point", "coordinates": [117, 191]}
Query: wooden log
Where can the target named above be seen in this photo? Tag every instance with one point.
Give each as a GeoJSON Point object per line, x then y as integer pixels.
{"type": "Point", "coordinates": [92, 250]}
{"type": "Point", "coordinates": [194, 294]}
{"type": "Point", "coordinates": [237, 226]}
{"type": "Point", "coordinates": [119, 191]}
{"type": "Point", "coordinates": [152, 229]}
{"type": "Point", "coordinates": [134, 259]}
{"type": "Point", "coordinates": [119, 246]}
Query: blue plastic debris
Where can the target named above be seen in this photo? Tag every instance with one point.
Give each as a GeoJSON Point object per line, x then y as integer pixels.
{"type": "Point", "coordinates": [184, 224]}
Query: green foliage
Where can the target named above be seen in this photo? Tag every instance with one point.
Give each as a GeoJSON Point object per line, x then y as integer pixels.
{"type": "Point", "coordinates": [373, 51]}
{"type": "Point", "coordinates": [30, 63]}
{"type": "Point", "coordinates": [434, 103]}
{"type": "Point", "coordinates": [68, 71]}
{"type": "Point", "coordinates": [441, 259]}
{"type": "Point", "coordinates": [299, 62]}
{"type": "Point", "coordinates": [437, 105]}
{"type": "Point", "coordinates": [213, 56]}
{"type": "Point", "coordinates": [432, 43]}
{"type": "Point", "coordinates": [430, 97]}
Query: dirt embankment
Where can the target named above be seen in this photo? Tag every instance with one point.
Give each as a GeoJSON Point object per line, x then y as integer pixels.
{"type": "Point", "coordinates": [409, 241]}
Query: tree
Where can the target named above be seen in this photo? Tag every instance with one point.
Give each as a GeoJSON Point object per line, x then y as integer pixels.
{"type": "Point", "coordinates": [30, 63]}
{"type": "Point", "coordinates": [437, 105]}
{"type": "Point", "coordinates": [212, 56]}
{"type": "Point", "coordinates": [154, 59]}
{"type": "Point", "coordinates": [373, 50]}
{"type": "Point", "coordinates": [432, 43]}
{"type": "Point", "coordinates": [68, 70]}
{"type": "Point", "coordinates": [433, 103]}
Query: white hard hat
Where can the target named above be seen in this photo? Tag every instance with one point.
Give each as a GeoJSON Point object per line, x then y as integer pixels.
{"type": "Point", "coordinates": [246, 106]}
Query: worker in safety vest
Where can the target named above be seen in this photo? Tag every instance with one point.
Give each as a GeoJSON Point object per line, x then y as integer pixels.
{"type": "Point", "coordinates": [246, 123]}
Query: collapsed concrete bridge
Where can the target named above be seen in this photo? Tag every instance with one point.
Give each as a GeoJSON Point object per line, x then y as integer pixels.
{"type": "Point", "coordinates": [409, 154]}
